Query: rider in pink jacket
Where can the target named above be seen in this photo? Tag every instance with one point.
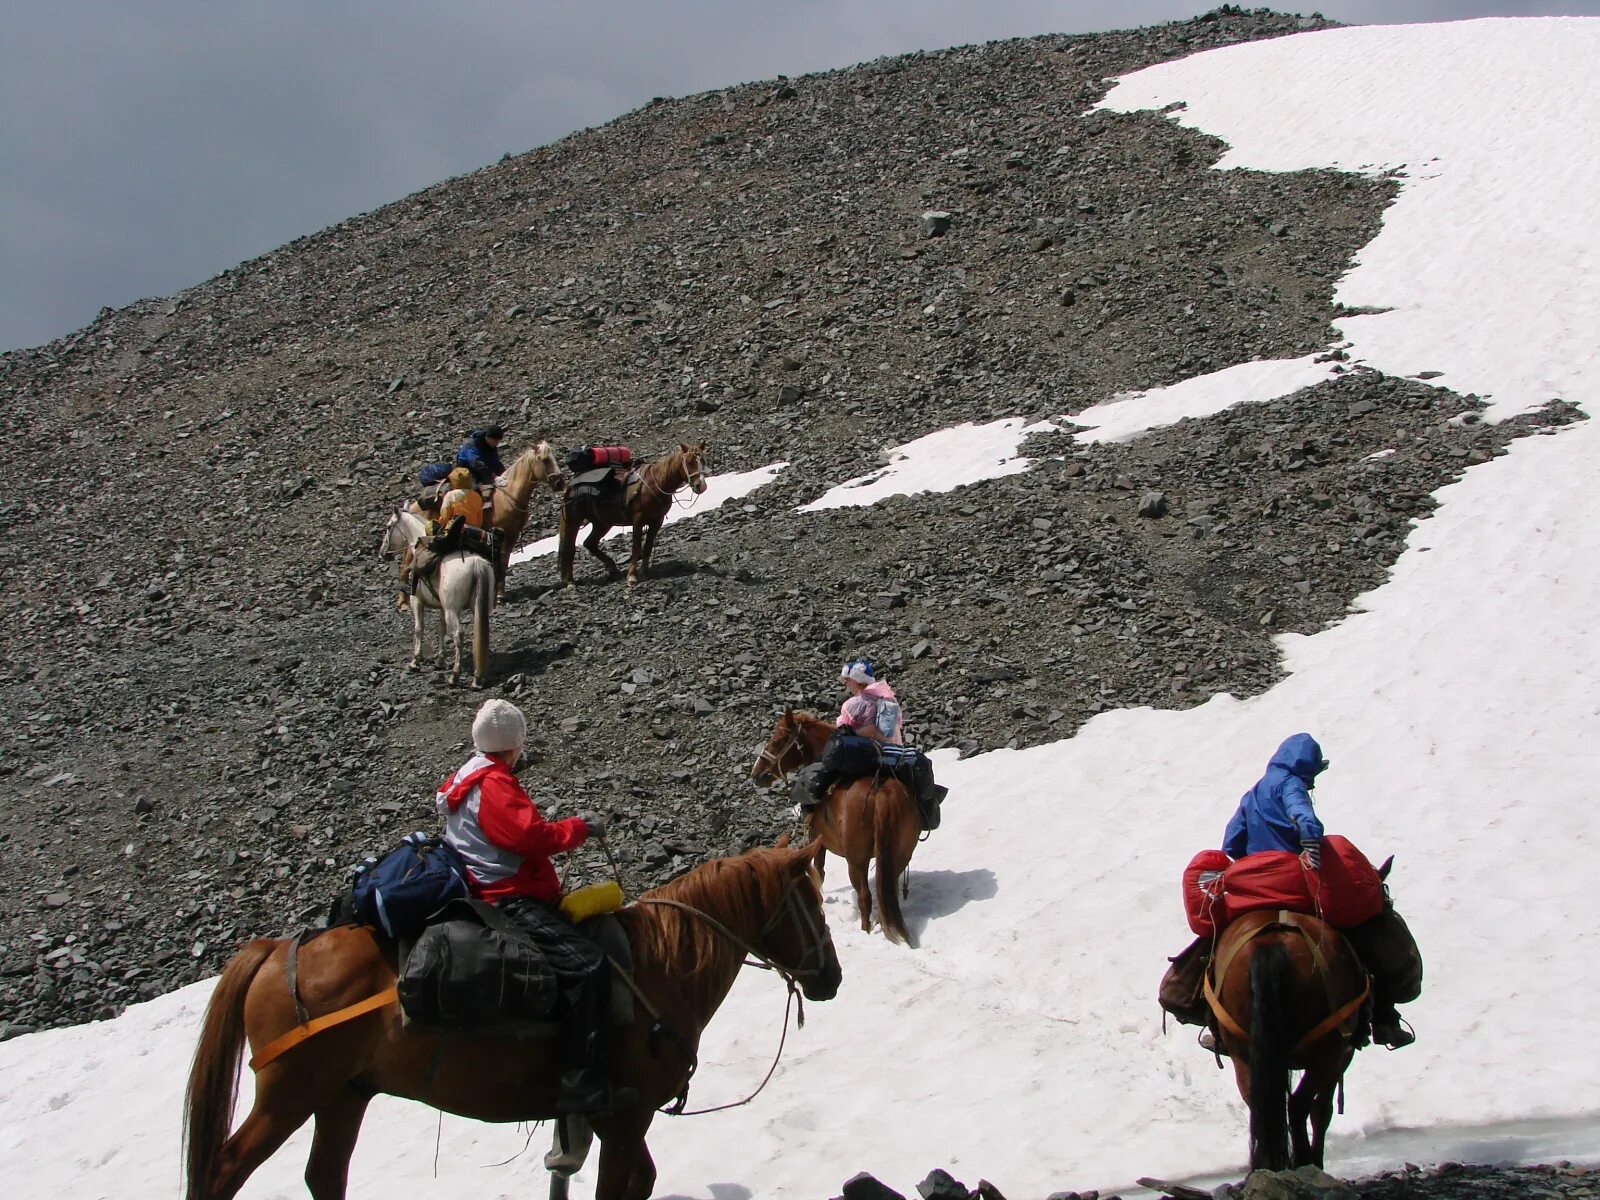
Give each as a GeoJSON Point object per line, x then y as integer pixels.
{"type": "Point", "coordinates": [871, 709]}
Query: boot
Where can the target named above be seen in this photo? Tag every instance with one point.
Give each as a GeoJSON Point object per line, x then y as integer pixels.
{"type": "Point", "coordinates": [587, 1089]}
{"type": "Point", "coordinates": [1387, 1028]}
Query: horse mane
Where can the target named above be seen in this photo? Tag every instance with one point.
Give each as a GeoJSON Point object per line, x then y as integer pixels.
{"type": "Point", "coordinates": [740, 892]}
{"type": "Point", "coordinates": [526, 460]}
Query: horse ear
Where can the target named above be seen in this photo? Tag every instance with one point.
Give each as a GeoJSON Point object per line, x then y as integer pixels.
{"type": "Point", "coordinates": [684, 446]}
{"type": "Point", "coordinates": [813, 851]}
{"type": "Point", "coordinates": [782, 843]}
{"type": "Point", "coordinates": [1388, 864]}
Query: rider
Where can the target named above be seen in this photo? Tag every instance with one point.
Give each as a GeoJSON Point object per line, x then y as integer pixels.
{"type": "Point", "coordinates": [1277, 814]}
{"type": "Point", "coordinates": [480, 454]}
{"type": "Point", "coordinates": [870, 709]}
{"type": "Point", "coordinates": [506, 844]}
{"type": "Point", "coordinates": [462, 500]}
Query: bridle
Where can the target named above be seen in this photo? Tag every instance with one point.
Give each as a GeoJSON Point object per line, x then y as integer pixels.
{"type": "Point", "coordinates": [775, 760]}
{"type": "Point", "coordinates": [694, 479]}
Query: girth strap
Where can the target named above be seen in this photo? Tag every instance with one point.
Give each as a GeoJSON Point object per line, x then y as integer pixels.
{"type": "Point", "coordinates": [315, 1025]}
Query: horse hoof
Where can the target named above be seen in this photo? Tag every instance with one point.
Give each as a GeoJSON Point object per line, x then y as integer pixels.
{"type": "Point", "coordinates": [412, 665]}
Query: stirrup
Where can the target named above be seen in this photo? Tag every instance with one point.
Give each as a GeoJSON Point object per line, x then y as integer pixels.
{"type": "Point", "coordinates": [1208, 1040]}
{"type": "Point", "coordinates": [1393, 1037]}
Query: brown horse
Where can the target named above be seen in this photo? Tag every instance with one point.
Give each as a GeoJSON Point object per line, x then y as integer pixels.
{"type": "Point", "coordinates": [642, 504]}
{"type": "Point", "coordinates": [512, 499]}
{"type": "Point", "coordinates": [689, 939]}
{"type": "Point", "coordinates": [1287, 992]}
{"type": "Point", "coordinates": [861, 821]}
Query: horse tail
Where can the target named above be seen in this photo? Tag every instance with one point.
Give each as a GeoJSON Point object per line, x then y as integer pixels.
{"type": "Point", "coordinates": [483, 586]}
{"type": "Point", "coordinates": [886, 818]}
{"type": "Point", "coordinates": [1269, 1058]}
{"type": "Point", "coordinates": [214, 1076]}
{"type": "Point", "coordinates": [566, 542]}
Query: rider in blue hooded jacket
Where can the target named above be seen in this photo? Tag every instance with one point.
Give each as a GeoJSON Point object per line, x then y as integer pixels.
{"type": "Point", "coordinates": [1277, 814]}
{"type": "Point", "coordinates": [480, 454]}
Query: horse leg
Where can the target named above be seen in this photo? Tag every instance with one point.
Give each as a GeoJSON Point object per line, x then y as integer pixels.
{"type": "Point", "coordinates": [567, 547]}
{"type": "Point", "coordinates": [266, 1128]}
{"type": "Point", "coordinates": [452, 630]}
{"type": "Point", "coordinates": [1312, 1103]}
{"type": "Point", "coordinates": [592, 545]}
{"type": "Point", "coordinates": [444, 631]}
{"type": "Point", "coordinates": [636, 558]}
{"type": "Point", "coordinates": [627, 1171]}
{"type": "Point", "coordinates": [649, 545]}
{"type": "Point", "coordinates": [416, 633]}
{"type": "Point", "coordinates": [337, 1123]}
{"type": "Point", "coordinates": [858, 880]}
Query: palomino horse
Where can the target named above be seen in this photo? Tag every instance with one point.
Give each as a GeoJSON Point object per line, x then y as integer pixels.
{"type": "Point", "coordinates": [512, 497]}
{"type": "Point", "coordinates": [1287, 991]}
{"type": "Point", "coordinates": [689, 939]}
{"type": "Point", "coordinates": [461, 581]}
{"type": "Point", "coordinates": [643, 504]}
{"type": "Point", "coordinates": [861, 821]}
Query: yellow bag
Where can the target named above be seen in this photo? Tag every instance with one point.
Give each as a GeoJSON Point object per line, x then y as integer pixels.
{"type": "Point", "coordinates": [593, 900]}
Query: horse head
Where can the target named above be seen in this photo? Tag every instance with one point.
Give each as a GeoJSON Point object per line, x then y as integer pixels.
{"type": "Point", "coordinates": [784, 752]}
{"type": "Point", "coordinates": [796, 935]}
{"type": "Point", "coordinates": [549, 467]}
{"type": "Point", "coordinates": [693, 454]}
{"type": "Point", "coordinates": [393, 541]}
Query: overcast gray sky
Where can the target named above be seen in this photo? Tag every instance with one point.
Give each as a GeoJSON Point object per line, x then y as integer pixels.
{"type": "Point", "coordinates": [149, 144]}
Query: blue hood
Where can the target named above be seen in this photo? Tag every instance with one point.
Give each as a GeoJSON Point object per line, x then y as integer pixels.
{"type": "Point", "coordinates": [1300, 756]}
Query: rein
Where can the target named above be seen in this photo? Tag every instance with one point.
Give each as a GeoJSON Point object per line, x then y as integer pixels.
{"type": "Point", "coordinates": [788, 904]}
{"type": "Point", "coordinates": [647, 478]}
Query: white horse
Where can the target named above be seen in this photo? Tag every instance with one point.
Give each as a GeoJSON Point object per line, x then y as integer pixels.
{"type": "Point", "coordinates": [462, 580]}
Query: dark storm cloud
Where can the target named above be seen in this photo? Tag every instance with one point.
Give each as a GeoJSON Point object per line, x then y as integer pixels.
{"type": "Point", "coordinates": [148, 146]}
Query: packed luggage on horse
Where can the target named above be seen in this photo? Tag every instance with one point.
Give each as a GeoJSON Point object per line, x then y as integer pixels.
{"type": "Point", "coordinates": [609, 488]}
{"type": "Point", "coordinates": [869, 740]}
{"type": "Point", "coordinates": [1276, 856]}
{"type": "Point", "coordinates": [458, 526]}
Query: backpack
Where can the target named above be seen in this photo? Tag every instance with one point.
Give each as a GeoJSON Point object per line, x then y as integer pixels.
{"type": "Point", "coordinates": [475, 970]}
{"type": "Point", "coordinates": [400, 891]}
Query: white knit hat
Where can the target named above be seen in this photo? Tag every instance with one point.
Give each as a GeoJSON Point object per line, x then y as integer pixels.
{"type": "Point", "coordinates": [499, 726]}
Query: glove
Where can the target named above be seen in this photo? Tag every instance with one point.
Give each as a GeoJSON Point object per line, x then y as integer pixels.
{"type": "Point", "coordinates": [594, 823]}
{"type": "Point", "coordinates": [1311, 854]}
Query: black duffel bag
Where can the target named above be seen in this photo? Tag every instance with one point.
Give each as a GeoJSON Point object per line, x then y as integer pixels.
{"type": "Point", "coordinates": [474, 970]}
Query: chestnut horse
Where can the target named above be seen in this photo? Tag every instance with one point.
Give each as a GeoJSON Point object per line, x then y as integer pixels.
{"type": "Point", "coordinates": [512, 498]}
{"type": "Point", "coordinates": [860, 821]}
{"type": "Point", "coordinates": [689, 939]}
{"type": "Point", "coordinates": [643, 504]}
{"type": "Point", "coordinates": [1287, 992]}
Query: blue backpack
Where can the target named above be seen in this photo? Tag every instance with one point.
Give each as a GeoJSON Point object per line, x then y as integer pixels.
{"type": "Point", "coordinates": [401, 890]}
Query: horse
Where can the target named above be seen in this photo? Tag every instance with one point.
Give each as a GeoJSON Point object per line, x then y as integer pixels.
{"type": "Point", "coordinates": [513, 492]}
{"type": "Point", "coordinates": [689, 938]}
{"type": "Point", "coordinates": [643, 504]}
{"type": "Point", "coordinates": [461, 581]}
{"type": "Point", "coordinates": [860, 821]}
{"type": "Point", "coordinates": [1287, 991]}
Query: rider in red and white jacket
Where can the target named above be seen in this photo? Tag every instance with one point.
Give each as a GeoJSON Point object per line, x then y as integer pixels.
{"type": "Point", "coordinates": [492, 822]}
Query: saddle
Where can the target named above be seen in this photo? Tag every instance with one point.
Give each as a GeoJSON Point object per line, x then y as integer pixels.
{"type": "Point", "coordinates": [432, 496]}
{"type": "Point", "coordinates": [474, 970]}
{"type": "Point", "coordinates": [602, 483]}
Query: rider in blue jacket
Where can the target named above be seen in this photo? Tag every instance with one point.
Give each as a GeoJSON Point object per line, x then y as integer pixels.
{"type": "Point", "coordinates": [480, 454]}
{"type": "Point", "coordinates": [1276, 814]}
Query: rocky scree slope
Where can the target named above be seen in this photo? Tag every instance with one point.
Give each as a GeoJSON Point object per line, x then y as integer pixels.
{"type": "Point", "coordinates": [210, 719]}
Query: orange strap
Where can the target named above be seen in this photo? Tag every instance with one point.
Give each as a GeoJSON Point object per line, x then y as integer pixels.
{"type": "Point", "coordinates": [317, 1024]}
{"type": "Point", "coordinates": [1333, 1021]}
